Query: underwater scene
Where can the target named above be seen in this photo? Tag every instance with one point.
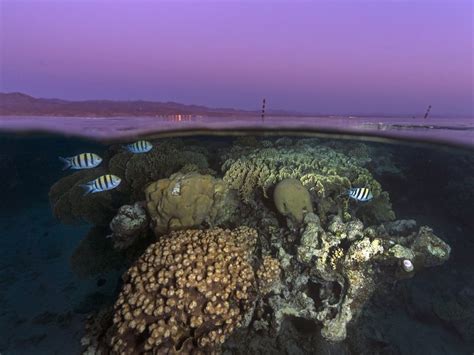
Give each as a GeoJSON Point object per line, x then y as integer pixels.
{"type": "Point", "coordinates": [235, 244]}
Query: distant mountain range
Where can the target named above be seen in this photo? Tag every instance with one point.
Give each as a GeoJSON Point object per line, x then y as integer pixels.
{"type": "Point", "coordinates": [19, 104]}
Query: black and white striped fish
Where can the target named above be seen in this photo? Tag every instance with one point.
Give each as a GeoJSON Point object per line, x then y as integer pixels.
{"type": "Point", "coordinates": [360, 194]}
{"type": "Point", "coordinates": [102, 183]}
{"type": "Point", "coordinates": [81, 161]}
{"type": "Point", "coordinates": [139, 147]}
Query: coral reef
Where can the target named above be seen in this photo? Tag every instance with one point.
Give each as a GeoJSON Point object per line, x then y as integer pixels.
{"type": "Point", "coordinates": [292, 199]}
{"type": "Point", "coordinates": [70, 205]}
{"type": "Point", "coordinates": [324, 172]}
{"type": "Point", "coordinates": [130, 223]}
{"type": "Point", "coordinates": [268, 274]}
{"type": "Point", "coordinates": [187, 292]}
{"type": "Point", "coordinates": [166, 158]}
{"type": "Point", "coordinates": [340, 266]}
{"type": "Point", "coordinates": [187, 201]}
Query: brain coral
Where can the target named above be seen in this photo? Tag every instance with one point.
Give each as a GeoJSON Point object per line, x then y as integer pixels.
{"type": "Point", "coordinates": [166, 158]}
{"type": "Point", "coordinates": [188, 200]}
{"type": "Point", "coordinates": [292, 199]}
{"type": "Point", "coordinates": [323, 171]}
{"type": "Point", "coordinates": [186, 293]}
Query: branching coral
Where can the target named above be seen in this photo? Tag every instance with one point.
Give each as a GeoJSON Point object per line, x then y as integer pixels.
{"type": "Point", "coordinates": [188, 200]}
{"type": "Point", "coordinates": [268, 274]}
{"type": "Point", "coordinates": [325, 172]}
{"type": "Point", "coordinates": [186, 293]}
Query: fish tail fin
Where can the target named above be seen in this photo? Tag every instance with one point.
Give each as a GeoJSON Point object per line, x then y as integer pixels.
{"type": "Point", "coordinates": [88, 188]}
{"type": "Point", "coordinates": [66, 161]}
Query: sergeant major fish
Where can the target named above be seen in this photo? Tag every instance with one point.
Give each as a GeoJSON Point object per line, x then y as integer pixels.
{"type": "Point", "coordinates": [102, 183]}
{"type": "Point", "coordinates": [81, 161]}
{"type": "Point", "coordinates": [139, 147]}
{"type": "Point", "coordinates": [361, 194]}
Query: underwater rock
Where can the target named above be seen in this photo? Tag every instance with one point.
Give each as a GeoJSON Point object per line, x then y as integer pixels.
{"type": "Point", "coordinates": [70, 205]}
{"type": "Point", "coordinates": [400, 227]}
{"type": "Point", "coordinates": [187, 201]}
{"type": "Point", "coordinates": [186, 293]}
{"type": "Point", "coordinates": [166, 158]}
{"type": "Point", "coordinates": [429, 249]}
{"type": "Point", "coordinates": [327, 175]}
{"type": "Point", "coordinates": [130, 223]}
{"type": "Point", "coordinates": [340, 266]}
{"type": "Point", "coordinates": [292, 199]}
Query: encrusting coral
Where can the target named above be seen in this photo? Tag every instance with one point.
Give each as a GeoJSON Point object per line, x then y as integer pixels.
{"type": "Point", "coordinates": [130, 223]}
{"type": "Point", "coordinates": [327, 174]}
{"type": "Point", "coordinates": [187, 201]}
{"type": "Point", "coordinates": [292, 199]}
{"type": "Point", "coordinates": [188, 292]}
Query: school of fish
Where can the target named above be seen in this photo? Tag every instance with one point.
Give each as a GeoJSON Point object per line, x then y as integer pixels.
{"type": "Point", "coordinates": [91, 160]}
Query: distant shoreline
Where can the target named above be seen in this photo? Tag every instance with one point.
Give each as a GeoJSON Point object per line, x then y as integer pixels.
{"type": "Point", "coordinates": [19, 104]}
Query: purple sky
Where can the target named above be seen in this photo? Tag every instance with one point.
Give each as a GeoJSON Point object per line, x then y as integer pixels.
{"type": "Point", "coordinates": [385, 56]}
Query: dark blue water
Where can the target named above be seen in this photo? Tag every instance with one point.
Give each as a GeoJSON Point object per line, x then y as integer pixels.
{"type": "Point", "coordinates": [51, 280]}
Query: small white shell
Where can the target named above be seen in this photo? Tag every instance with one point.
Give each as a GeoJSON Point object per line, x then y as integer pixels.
{"type": "Point", "coordinates": [176, 189]}
{"type": "Point", "coordinates": [407, 265]}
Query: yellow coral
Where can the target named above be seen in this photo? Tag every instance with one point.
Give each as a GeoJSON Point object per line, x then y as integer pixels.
{"type": "Point", "coordinates": [268, 274]}
{"type": "Point", "coordinates": [186, 293]}
{"type": "Point", "coordinates": [188, 200]}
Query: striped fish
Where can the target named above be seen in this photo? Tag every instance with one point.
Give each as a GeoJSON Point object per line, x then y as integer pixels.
{"type": "Point", "coordinates": [102, 183]}
{"type": "Point", "coordinates": [360, 194]}
{"type": "Point", "coordinates": [81, 161]}
{"type": "Point", "coordinates": [139, 147]}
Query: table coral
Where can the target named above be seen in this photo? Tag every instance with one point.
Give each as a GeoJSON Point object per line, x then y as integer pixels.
{"type": "Point", "coordinates": [186, 293]}
{"type": "Point", "coordinates": [327, 174]}
{"type": "Point", "coordinates": [188, 200]}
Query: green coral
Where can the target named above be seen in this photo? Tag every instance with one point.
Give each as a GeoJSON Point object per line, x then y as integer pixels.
{"type": "Point", "coordinates": [326, 173]}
